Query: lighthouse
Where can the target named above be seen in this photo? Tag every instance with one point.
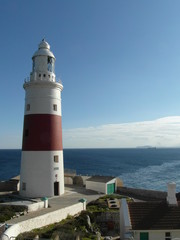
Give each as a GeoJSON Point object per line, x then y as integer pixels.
{"type": "Point", "coordinates": [42, 168]}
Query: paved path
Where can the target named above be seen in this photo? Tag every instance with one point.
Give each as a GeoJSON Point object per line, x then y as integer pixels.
{"type": "Point", "coordinates": [71, 196]}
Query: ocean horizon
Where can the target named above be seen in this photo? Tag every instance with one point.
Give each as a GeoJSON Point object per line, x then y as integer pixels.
{"type": "Point", "coordinates": [142, 167]}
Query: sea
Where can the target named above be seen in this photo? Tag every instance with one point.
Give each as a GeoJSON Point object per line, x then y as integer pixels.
{"type": "Point", "coordinates": [148, 168]}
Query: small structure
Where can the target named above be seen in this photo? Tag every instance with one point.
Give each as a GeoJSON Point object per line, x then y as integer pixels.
{"type": "Point", "coordinates": [103, 184]}
{"type": "Point", "coordinates": [151, 220]}
{"type": "Point", "coordinates": [113, 203]}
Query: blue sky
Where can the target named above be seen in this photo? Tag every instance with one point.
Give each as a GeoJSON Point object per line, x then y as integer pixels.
{"type": "Point", "coordinates": [119, 62]}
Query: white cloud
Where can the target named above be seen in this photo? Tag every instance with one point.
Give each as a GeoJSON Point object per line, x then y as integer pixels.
{"type": "Point", "coordinates": [163, 132]}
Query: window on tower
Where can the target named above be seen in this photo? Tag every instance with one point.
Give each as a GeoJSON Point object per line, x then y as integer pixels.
{"type": "Point", "coordinates": [27, 107]}
{"type": "Point", "coordinates": [55, 107]}
{"type": "Point", "coordinates": [26, 133]}
{"type": "Point", "coordinates": [56, 158]}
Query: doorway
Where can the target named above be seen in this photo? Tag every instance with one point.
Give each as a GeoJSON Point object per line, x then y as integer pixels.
{"type": "Point", "coordinates": [56, 188]}
{"type": "Point", "coordinates": [144, 236]}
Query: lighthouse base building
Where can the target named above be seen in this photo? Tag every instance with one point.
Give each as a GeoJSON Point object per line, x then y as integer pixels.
{"type": "Point", "coordinates": [42, 169]}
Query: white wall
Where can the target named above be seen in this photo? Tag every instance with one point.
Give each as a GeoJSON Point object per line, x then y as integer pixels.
{"type": "Point", "coordinates": [99, 186]}
{"type": "Point", "coordinates": [158, 234]}
{"type": "Point", "coordinates": [38, 171]}
{"type": "Point", "coordinates": [96, 186]}
{"type": "Point", "coordinates": [41, 99]}
{"type": "Point", "coordinates": [125, 223]}
{"type": "Point", "coordinates": [42, 220]}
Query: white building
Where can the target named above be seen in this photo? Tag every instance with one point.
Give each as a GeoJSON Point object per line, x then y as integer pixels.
{"type": "Point", "coordinates": [103, 184]}
{"type": "Point", "coordinates": [151, 220]}
{"type": "Point", "coordinates": [42, 168]}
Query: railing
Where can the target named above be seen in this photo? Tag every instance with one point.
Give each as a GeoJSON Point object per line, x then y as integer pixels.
{"type": "Point", "coordinates": [59, 81]}
{"type": "Point", "coordinates": [26, 80]}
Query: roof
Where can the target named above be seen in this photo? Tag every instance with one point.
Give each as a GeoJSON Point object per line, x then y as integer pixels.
{"type": "Point", "coordinates": [43, 50]}
{"type": "Point", "coordinates": [103, 179]}
{"type": "Point", "coordinates": [154, 215]}
{"type": "Point", "coordinates": [16, 178]}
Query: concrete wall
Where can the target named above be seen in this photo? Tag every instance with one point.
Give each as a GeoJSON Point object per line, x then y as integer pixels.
{"type": "Point", "coordinates": [35, 206]}
{"type": "Point", "coordinates": [84, 179]}
{"type": "Point", "coordinates": [42, 220]}
{"type": "Point", "coordinates": [158, 234]}
{"type": "Point", "coordinates": [119, 182]}
{"type": "Point", "coordinates": [11, 185]}
{"type": "Point", "coordinates": [142, 194]}
{"type": "Point", "coordinates": [68, 180]}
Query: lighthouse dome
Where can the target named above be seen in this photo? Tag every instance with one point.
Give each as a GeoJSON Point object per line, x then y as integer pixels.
{"type": "Point", "coordinates": [44, 44]}
{"type": "Point", "coordinates": [43, 50]}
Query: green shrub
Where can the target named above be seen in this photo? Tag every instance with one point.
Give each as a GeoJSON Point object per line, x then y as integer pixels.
{"type": "Point", "coordinates": [8, 211]}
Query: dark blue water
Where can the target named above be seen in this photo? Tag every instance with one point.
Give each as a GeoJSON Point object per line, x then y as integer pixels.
{"type": "Point", "coordinates": [143, 168]}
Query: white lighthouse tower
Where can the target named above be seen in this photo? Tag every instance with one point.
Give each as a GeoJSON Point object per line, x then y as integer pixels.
{"type": "Point", "coordinates": [42, 168]}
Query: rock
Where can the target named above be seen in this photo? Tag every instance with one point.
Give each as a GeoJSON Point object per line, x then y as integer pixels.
{"type": "Point", "coordinates": [89, 223]}
{"type": "Point", "coordinates": [98, 234]}
{"type": "Point", "coordinates": [77, 237]}
{"type": "Point", "coordinates": [36, 237]}
{"type": "Point", "coordinates": [56, 237]}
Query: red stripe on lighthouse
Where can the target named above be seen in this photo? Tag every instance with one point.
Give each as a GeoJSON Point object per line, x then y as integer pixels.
{"type": "Point", "coordinates": [42, 132]}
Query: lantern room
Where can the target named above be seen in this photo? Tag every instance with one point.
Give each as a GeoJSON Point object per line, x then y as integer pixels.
{"type": "Point", "coordinates": [43, 67]}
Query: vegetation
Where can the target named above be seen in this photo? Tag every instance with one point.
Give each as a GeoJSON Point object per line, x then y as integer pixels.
{"type": "Point", "coordinates": [100, 205]}
{"type": "Point", "coordinates": [9, 211]}
{"type": "Point", "coordinates": [69, 228]}
{"type": "Point", "coordinates": [83, 225]}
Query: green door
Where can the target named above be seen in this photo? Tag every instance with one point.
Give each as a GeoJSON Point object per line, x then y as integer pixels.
{"type": "Point", "coordinates": [110, 188]}
{"type": "Point", "coordinates": [144, 236]}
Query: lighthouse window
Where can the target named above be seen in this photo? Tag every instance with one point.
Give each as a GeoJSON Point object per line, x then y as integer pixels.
{"type": "Point", "coordinates": [56, 158]}
{"type": "Point", "coordinates": [50, 64]}
{"type": "Point", "coordinates": [27, 107]}
{"type": "Point", "coordinates": [33, 67]}
{"type": "Point", "coordinates": [26, 132]}
{"type": "Point", "coordinates": [55, 107]}
{"type": "Point", "coordinates": [24, 186]}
